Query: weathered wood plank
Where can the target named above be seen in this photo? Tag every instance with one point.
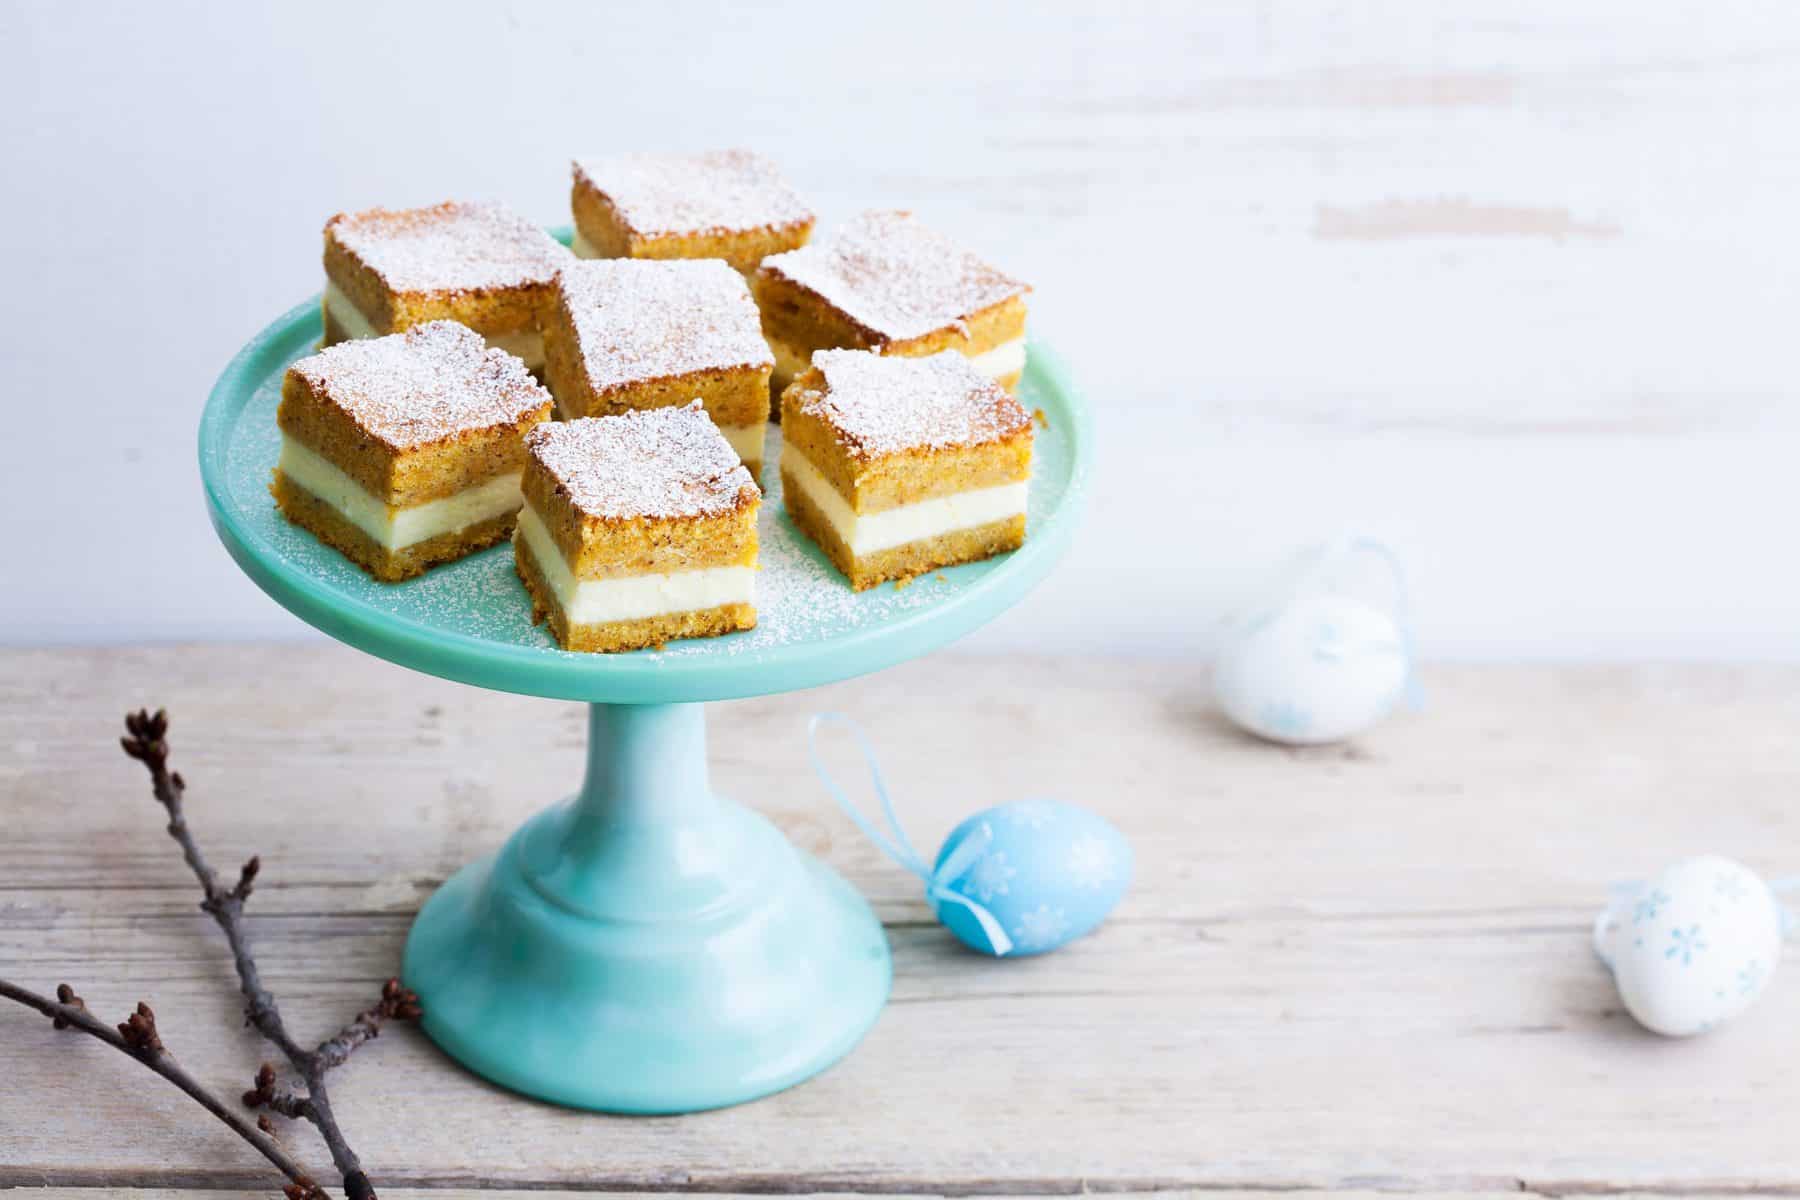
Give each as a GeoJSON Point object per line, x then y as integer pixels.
{"type": "Point", "coordinates": [1355, 967]}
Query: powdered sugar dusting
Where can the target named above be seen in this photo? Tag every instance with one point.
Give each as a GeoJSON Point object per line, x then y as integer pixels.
{"type": "Point", "coordinates": [639, 319]}
{"type": "Point", "coordinates": [882, 405]}
{"type": "Point", "coordinates": [450, 247]}
{"type": "Point", "coordinates": [658, 462]}
{"type": "Point", "coordinates": [424, 385]}
{"type": "Point", "coordinates": [894, 276]}
{"type": "Point", "coordinates": [720, 192]}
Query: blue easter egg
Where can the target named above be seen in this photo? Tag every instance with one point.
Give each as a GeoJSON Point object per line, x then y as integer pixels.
{"type": "Point", "coordinates": [1046, 871]}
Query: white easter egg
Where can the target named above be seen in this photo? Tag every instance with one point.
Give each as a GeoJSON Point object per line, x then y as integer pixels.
{"type": "Point", "coordinates": [1319, 668]}
{"type": "Point", "coordinates": [1694, 947]}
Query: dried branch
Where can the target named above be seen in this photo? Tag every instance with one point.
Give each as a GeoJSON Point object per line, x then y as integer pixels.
{"type": "Point", "coordinates": [143, 1043]}
{"type": "Point", "coordinates": [138, 1036]}
{"type": "Point", "coordinates": [266, 1095]}
{"type": "Point", "coordinates": [145, 742]}
{"type": "Point", "coordinates": [396, 1003]}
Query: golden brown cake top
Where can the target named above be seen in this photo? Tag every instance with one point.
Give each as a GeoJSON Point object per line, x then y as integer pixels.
{"type": "Point", "coordinates": [426, 385]}
{"type": "Point", "coordinates": [449, 247]}
{"type": "Point", "coordinates": [719, 192]}
{"type": "Point", "coordinates": [894, 277]}
{"type": "Point", "coordinates": [654, 462]}
{"type": "Point", "coordinates": [639, 319]}
{"type": "Point", "coordinates": [880, 405]}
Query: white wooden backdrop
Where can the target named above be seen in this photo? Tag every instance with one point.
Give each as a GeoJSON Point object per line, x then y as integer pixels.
{"type": "Point", "coordinates": [1511, 284]}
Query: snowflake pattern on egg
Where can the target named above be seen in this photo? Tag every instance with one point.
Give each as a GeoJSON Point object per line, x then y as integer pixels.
{"type": "Point", "coordinates": [1040, 927]}
{"type": "Point", "coordinates": [1703, 941]}
{"type": "Point", "coordinates": [1031, 814]}
{"type": "Point", "coordinates": [1044, 871]}
{"type": "Point", "coordinates": [989, 876]}
{"type": "Point", "coordinates": [1684, 944]}
{"type": "Point", "coordinates": [1091, 863]}
{"type": "Point", "coordinates": [1648, 905]}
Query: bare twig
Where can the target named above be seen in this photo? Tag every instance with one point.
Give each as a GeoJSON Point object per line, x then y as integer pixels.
{"type": "Point", "coordinates": [138, 1035]}
{"type": "Point", "coordinates": [266, 1095]}
{"type": "Point", "coordinates": [68, 1012]}
{"type": "Point", "coordinates": [145, 742]}
{"type": "Point", "coordinates": [396, 1003]}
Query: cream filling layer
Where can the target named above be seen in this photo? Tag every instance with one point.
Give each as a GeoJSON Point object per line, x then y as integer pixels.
{"type": "Point", "coordinates": [528, 345]}
{"type": "Point", "coordinates": [350, 318]}
{"type": "Point", "coordinates": [629, 597]}
{"type": "Point", "coordinates": [1002, 360]}
{"type": "Point", "coordinates": [580, 247]}
{"type": "Point", "coordinates": [747, 440]}
{"type": "Point", "coordinates": [396, 528]}
{"type": "Point", "coordinates": [790, 363]}
{"type": "Point", "coordinates": [866, 533]}
{"type": "Point", "coordinates": [996, 363]}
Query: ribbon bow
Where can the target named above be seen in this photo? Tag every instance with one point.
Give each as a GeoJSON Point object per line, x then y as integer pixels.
{"type": "Point", "coordinates": [1316, 566]}
{"type": "Point", "coordinates": [897, 846]}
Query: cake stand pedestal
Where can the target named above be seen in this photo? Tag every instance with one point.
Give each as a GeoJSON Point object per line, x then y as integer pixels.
{"type": "Point", "coordinates": [646, 946]}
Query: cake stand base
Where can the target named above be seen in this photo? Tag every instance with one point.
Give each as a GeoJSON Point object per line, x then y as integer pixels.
{"type": "Point", "coordinates": [647, 947]}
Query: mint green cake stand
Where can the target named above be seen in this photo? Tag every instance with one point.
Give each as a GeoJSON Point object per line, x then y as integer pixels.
{"type": "Point", "coordinates": [646, 946]}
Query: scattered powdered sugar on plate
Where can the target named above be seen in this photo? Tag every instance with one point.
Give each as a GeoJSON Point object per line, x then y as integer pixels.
{"type": "Point", "coordinates": [654, 462]}
{"type": "Point", "coordinates": [719, 192]}
{"type": "Point", "coordinates": [886, 405]}
{"type": "Point", "coordinates": [639, 318]}
{"type": "Point", "coordinates": [454, 246]}
{"type": "Point", "coordinates": [800, 597]}
{"type": "Point", "coordinates": [424, 385]}
{"type": "Point", "coordinates": [894, 276]}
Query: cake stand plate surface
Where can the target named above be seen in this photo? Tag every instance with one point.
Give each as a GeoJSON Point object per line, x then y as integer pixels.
{"type": "Point", "coordinates": [470, 620]}
{"type": "Point", "coordinates": [645, 946]}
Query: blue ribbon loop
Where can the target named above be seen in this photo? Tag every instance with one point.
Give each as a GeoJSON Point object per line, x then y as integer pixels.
{"type": "Point", "coordinates": [894, 842]}
{"type": "Point", "coordinates": [1415, 695]}
{"type": "Point", "coordinates": [1324, 559]}
{"type": "Point", "coordinates": [1790, 924]}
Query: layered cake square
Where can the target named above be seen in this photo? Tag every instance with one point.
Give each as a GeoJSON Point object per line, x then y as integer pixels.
{"type": "Point", "coordinates": [898, 466]}
{"type": "Point", "coordinates": [885, 282]}
{"type": "Point", "coordinates": [626, 334]}
{"type": "Point", "coordinates": [406, 451]}
{"type": "Point", "coordinates": [637, 529]}
{"type": "Point", "coordinates": [476, 264]}
{"type": "Point", "coordinates": [727, 204]}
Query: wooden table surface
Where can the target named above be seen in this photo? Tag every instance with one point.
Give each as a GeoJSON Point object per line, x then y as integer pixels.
{"type": "Point", "coordinates": [1363, 968]}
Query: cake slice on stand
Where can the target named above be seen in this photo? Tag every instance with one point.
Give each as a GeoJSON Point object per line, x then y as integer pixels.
{"type": "Point", "coordinates": [886, 282]}
{"type": "Point", "coordinates": [637, 529]}
{"type": "Point", "coordinates": [477, 264]}
{"type": "Point", "coordinates": [898, 466]}
{"type": "Point", "coordinates": [625, 335]}
{"type": "Point", "coordinates": [406, 451]}
{"type": "Point", "coordinates": [727, 204]}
